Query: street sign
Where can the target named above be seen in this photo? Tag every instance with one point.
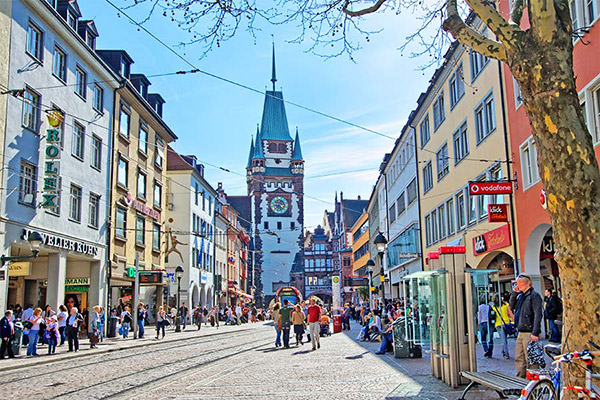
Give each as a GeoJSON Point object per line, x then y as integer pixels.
{"type": "Point", "coordinates": [497, 213]}
{"type": "Point", "coordinates": [479, 188]}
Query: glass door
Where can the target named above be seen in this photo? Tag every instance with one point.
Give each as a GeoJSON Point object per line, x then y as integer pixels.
{"type": "Point", "coordinates": [485, 287]}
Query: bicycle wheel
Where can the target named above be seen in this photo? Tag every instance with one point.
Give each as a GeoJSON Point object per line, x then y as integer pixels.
{"type": "Point", "coordinates": [541, 390]}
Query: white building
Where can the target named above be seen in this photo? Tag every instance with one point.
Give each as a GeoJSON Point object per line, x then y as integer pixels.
{"type": "Point", "coordinates": [56, 181]}
{"type": "Point", "coordinates": [191, 203]}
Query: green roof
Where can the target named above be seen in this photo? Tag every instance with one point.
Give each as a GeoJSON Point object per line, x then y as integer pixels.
{"type": "Point", "coordinates": [274, 124]}
{"type": "Point", "coordinates": [297, 154]}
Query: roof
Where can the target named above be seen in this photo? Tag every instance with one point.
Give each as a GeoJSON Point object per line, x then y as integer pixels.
{"type": "Point", "coordinates": [242, 205]}
{"type": "Point", "coordinates": [251, 154]}
{"type": "Point", "coordinates": [352, 210]}
{"type": "Point", "coordinates": [258, 149]}
{"type": "Point", "coordinates": [175, 162]}
{"type": "Point", "coordinates": [274, 125]}
{"type": "Point", "coordinates": [297, 154]}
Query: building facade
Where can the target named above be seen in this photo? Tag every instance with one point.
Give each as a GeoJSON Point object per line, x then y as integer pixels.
{"type": "Point", "coordinates": [221, 269]}
{"type": "Point", "coordinates": [57, 174]}
{"type": "Point", "coordinates": [318, 266]}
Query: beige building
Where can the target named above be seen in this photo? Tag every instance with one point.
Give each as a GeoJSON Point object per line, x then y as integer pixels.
{"type": "Point", "coordinates": [462, 137]}
{"type": "Point", "coordinates": [138, 183]}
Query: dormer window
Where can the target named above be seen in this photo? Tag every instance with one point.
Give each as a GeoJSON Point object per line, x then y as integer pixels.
{"type": "Point", "coordinates": [124, 69]}
{"type": "Point", "coordinates": [90, 40]}
{"type": "Point", "coordinates": [72, 20]}
{"type": "Point", "coordinates": [143, 89]}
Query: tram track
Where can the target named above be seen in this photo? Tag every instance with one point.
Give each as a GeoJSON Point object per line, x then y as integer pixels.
{"type": "Point", "coordinates": [115, 355]}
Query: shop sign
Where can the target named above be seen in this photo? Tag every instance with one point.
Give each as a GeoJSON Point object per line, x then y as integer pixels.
{"type": "Point", "coordinates": [543, 199]}
{"type": "Point", "coordinates": [22, 268]}
{"type": "Point", "coordinates": [433, 255]}
{"type": "Point", "coordinates": [76, 288]}
{"type": "Point", "coordinates": [478, 188]}
{"type": "Point", "coordinates": [203, 277]}
{"type": "Point", "coordinates": [141, 207]}
{"type": "Point", "coordinates": [72, 282]}
{"type": "Point", "coordinates": [547, 248]}
{"type": "Point", "coordinates": [492, 240]}
{"type": "Point", "coordinates": [52, 164]}
{"type": "Point", "coordinates": [497, 213]}
{"type": "Point", "coordinates": [65, 244]}
{"type": "Point", "coordinates": [150, 277]}
{"type": "Point", "coordinates": [452, 250]}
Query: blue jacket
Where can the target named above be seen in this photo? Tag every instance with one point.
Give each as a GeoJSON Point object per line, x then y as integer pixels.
{"type": "Point", "coordinates": [5, 330]}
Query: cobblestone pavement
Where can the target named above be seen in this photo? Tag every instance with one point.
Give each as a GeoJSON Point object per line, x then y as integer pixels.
{"type": "Point", "coordinates": [235, 363]}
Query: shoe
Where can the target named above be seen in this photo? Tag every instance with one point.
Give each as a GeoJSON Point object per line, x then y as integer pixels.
{"type": "Point", "coordinates": [313, 349]}
{"type": "Point", "coordinates": [379, 353]}
{"type": "Point", "coordinates": [506, 357]}
{"type": "Point", "coordinates": [318, 345]}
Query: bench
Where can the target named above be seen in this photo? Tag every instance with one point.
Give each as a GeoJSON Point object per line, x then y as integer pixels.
{"type": "Point", "coordinates": [504, 384]}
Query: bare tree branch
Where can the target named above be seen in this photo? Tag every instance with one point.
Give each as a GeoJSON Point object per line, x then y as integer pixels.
{"type": "Point", "coordinates": [374, 8]}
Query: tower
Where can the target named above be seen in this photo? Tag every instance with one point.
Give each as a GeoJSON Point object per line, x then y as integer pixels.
{"type": "Point", "coordinates": [275, 177]}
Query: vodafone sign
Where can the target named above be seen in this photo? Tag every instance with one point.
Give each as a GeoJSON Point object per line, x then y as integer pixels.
{"type": "Point", "coordinates": [476, 188]}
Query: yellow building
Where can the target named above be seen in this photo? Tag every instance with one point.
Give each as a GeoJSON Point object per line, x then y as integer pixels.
{"type": "Point", "coordinates": [360, 242]}
{"type": "Point", "coordinates": [138, 184]}
{"type": "Point", "coordinates": [462, 137]}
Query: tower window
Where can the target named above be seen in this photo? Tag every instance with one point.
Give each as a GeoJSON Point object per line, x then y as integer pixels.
{"type": "Point", "coordinates": [279, 225]}
{"type": "Point", "coordinates": [266, 224]}
{"type": "Point", "coordinates": [292, 225]}
{"type": "Point", "coordinates": [282, 148]}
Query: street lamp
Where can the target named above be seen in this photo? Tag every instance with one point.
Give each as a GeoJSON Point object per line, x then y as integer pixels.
{"type": "Point", "coordinates": [178, 274]}
{"type": "Point", "coordinates": [370, 264]}
{"type": "Point", "coordinates": [380, 242]}
{"type": "Point", "coordinates": [35, 240]}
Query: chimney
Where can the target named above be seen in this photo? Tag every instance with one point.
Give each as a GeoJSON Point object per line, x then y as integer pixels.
{"type": "Point", "coordinates": [220, 186]}
{"type": "Point", "coordinates": [358, 197]}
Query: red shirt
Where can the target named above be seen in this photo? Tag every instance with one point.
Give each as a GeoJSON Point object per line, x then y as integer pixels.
{"type": "Point", "coordinates": [314, 313]}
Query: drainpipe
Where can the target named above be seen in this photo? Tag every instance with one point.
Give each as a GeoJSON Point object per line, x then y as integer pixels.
{"type": "Point", "coordinates": [414, 128]}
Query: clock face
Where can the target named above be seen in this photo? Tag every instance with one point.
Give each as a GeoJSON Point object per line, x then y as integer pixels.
{"type": "Point", "coordinates": [279, 205]}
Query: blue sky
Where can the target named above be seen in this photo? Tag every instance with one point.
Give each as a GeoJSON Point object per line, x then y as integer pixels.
{"type": "Point", "coordinates": [215, 120]}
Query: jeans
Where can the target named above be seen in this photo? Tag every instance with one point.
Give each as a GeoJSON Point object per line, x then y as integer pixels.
{"type": "Point", "coordinates": [278, 337]}
{"type": "Point", "coordinates": [487, 337]}
{"type": "Point", "coordinates": [555, 331]}
{"type": "Point", "coordinates": [504, 337]}
{"type": "Point", "coordinates": [101, 331]}
{"type": "Point", "coordinates": [51, 344]}
{"type": "Point", "coordinates": [286, 336]}
{"type": "Point", "coordinates": [385, 339]}
{"type": "Point", "coordinates": [125, 329]}
{"type": "Point", "coordinates": [33, 339]}
{"type": "Point", "coordinates": [141, 328]}
{"type": "Point", "coordinates": [183, 322]}
{"type": "Point", "coordinates": [159, 325]}
{"type": "Point", "coordinates": [61, 333]}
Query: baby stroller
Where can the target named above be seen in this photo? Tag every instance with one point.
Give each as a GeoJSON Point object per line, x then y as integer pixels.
{"type": "Point", "coordinates": [324, 331]}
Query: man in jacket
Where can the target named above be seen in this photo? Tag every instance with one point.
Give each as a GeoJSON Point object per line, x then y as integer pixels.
{"type": "Point", "coordinates": [551, 313]}
{"type": "Point", "coordinates": [7, 332]}
{"type": "Point", "coordinates": [526, 304]}
{"type": "Point", "coordinates": [74, 322]}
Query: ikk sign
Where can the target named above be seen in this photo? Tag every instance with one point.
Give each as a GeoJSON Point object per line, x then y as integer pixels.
{"type": "Point", "coordinates": [479, 188]}
{"type": "Point", "coordinates": [497, 213]}
{"type": "Point", "coordinates": [492, 240]}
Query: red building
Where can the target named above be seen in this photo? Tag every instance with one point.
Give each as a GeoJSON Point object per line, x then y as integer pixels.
{"type": "Point", "coordinates": [536, 245]}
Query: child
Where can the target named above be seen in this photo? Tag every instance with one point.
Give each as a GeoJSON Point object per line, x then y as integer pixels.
{"type": "Point", "coordinates": [52, 333]}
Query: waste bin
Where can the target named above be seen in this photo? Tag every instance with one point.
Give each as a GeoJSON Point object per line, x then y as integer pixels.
{"type": "Point", "coordinates": [337, 323]}
{"type": "Point", "coordinates": [111, 329]}
{"type": "Point", "coordinates": [18, 339]}
{"type": "Point", "coordinates": [403, 347]}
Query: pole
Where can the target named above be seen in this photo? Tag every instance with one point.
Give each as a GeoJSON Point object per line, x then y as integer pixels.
{"type": "Point", "coordinates": [136, 289]}
{"type": "Point", "coordinates": [178, 317]}
{"type": "Point", "coordinates": [370, 291]}
{"type": "Point", "coordinates": [383, 281]}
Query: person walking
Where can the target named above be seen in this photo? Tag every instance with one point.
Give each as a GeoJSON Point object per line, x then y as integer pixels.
{"type": "Point", "coordinates": [501, 325]}
{"type": "Point", "coordinates": [7, 333]}
{"type": "Point", "coordinates": [74, 322]}
{"type": "Point", "coordinates": [183, 313]}
{"type": "Point", "coordinates": [62, 323]}
{"type": "Point", "coordinates": [126, 320]}
{"type": "Point", "coordinates": [214, 317]}
{"type": "Point", "coordinates": [277, 322]}
{"type": "Point", "coordinates": [298, 320]}
{"type": "Point", "coordinates": [285, 315]}
{"type": "Point", "coordinates": [198, 316]}
{"type": "Point", "coordinates": [141, 318]}
{"type": "Point", "coordinates": [484, 326]}
{"type": "Point", "coordinates": [238, 313]}
{"type": "Point", "coordinates": [527, 306]}
{"type": "Point", "coordinates": [97, 327]}
{"type": "Point", "coordinates": [34, 330]}
{"type": "Point", "coordinates": [161, 317]}
{"type": "Point", "coordinates": [552, 311]}
{"type": "Point", "coordinates": [314, 324]}
{"type": "Point", "coordinates": [51, 333]}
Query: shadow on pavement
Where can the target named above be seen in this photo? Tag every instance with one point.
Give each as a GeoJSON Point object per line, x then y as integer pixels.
{"type": "Point", "coordinates": [356, 357]}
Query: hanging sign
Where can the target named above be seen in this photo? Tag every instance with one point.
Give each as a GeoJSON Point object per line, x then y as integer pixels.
{"type": "Point", "coordinates": [51, 166]}
{"type": "Point", "coordinates": [478, 188]}
{"type": "Point", "coordinates": [22, 268]}
{"type": "Point", "coordinates": [543, 199]}
{"type": "Point", "coordinates": [497, 213]}
{"type": "Point", "coordinates": [492, 240]}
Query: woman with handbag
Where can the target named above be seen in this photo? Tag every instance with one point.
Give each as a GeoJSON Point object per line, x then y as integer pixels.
{"type": "Point", "coordinates": [298, 320]}
{"type": "Point", "coordinates": [503, 321]}
{"type": "Point", "coordinates": [126, 320]}
{"type": "Point", "coordinates": [33, 324]}
{"type": "Point", "coordinates": [97, 327]}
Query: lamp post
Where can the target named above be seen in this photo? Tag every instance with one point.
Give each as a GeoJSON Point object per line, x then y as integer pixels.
{"type": "Point", "coordinates": [178, 274]}
{"type": "Point", "coordinates": [370, 264]}
{"type": "Point", "coordinates": [35, 240]}
{"type": "Point", "coordinates": [380, 242]}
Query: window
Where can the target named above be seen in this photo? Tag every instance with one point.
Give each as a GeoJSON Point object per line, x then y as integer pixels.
{"type": "Point", "coordinates": [124, 119]}
{"type": "Point", "coordinates": [411, 191]}
{"type": "Point", "coordinates": [90, 40]}
{"type": "Point", "coordinates": [121, 223]}
{"type": "Point", "coordinates": [428, 235]}
{"type": "Point", "coordinates": [461, 220]}
{"type": "Point", "coordinates": [203, 201]}
{"type": "Point", "coordinates": [450, 220]}
{"type": "Point", "coordinates": [72, 20]}
{"type": "Point", "coordinates": [293, 225]}
{"type": "Point", "coordinates": [442, 161]}
{"type": "Point", "coordinates": [590, 12]}
{"type": "Point", "coordinates": [35, 41]}
{"type": "Point", "coordinates": [483, 201]}
{"type": "Point", "coordinates": [27, 183]}
{"type": "Point", "coordinates": [461, 143]}
{"type": "Point", "coordinates": [427, 177]}
{"type": "Point", "coordinates": [156, 237]}
{"type": "Point", "coordinates": [517, 91]}
{"type": "Point", "coordinates": [392, 213]}
{"type": "Point", "coordinates": [400, 204]}
{"type": "Point", "coordinates": [196, 193]}
{"type": "Point", "coordinates": [96, 152]}
{"type": "Point", "coordinates": [472, 209]}
{"type": "Point", "coordinates": [424, 129]}
{"type": "Point", "coordinates": [529, 167]}
{"type": "Point", "coordinates": [279, 226]}
{"type": "Point", "coordinates": [94, 217]}
{"type": "Point", "coordinates": [266, 224]}
{"type": "Point", "coordinates": [140, 226]}
{"type": "Point", "coordinates": [80, 82]}
{"type": "Point", "coordinates": [574, 16]}
{"type": "Point", "coordinates": [31, 109]}
{"type": "Point", "coordinates": [143, 138]}
{"type": "Point", "coordinates": [78, 140]}
{"type": "Point", "coordinates": [157, 194]}
{"type": "Point", "coordinates": [439, 113]}
{"type": "Point", "coordinates": [442, 221]}
{"type": "Point", "coordinates": [457, 86]}
{"type": "Point", "coordinates": [485, 118]}
{"type": "Point", "coordinates": [122, 172]}
{"type": "Point", "coordinates": [59, 64]}
{"type": "Point", "coordinates": [160, 152]}
{"type": "Point", "coordinates": [98, 103]}
{"type": "Point", "coordinates": [434, 227]}
{"type": "Point", "coordinates": [496, 176]}
{"type": "Point", "coordinates": [478, 62]}
{"type": "Point", "coordinates": [141, 184]}
{"type": "Point", "coordinates": [75, 211]}
{"type": "Point", "coordinates": [594, 127]}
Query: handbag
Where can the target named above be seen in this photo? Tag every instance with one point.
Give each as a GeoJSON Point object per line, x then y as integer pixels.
{"type": "Point", "coordinates": [94, 338]}
{"type": "Point", "coordinates": [166, 322]}
{"type": "Point", "coordinates": [27, 325]}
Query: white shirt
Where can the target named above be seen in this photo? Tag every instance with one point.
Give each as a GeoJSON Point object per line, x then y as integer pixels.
{"type": "Point", "coordinates": [63, 321]}
{"type": "Point", "coordinates": [27, 314]}
{"type": "Point", "coordinates": [238, 310]}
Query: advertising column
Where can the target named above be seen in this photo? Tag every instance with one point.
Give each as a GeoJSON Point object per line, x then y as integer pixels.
{"type": "Point", "coordinates": [336, 292]}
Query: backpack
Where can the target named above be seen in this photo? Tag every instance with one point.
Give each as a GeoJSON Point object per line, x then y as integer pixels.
{"type": "Point", "coordinates": [492, 316]}
{"type": "Point", "coordinates": [127, 318]}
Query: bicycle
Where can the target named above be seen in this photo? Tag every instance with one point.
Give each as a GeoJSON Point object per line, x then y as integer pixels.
{"type": "Point", "coordinates": [546, 385]}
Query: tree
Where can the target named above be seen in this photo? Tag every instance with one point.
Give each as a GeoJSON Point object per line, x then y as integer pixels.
{"type": "Point", "coordinates": [539, 52]}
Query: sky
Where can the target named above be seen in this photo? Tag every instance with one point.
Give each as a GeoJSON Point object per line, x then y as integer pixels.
{"type": "Point", "coordinates": [215, 120]}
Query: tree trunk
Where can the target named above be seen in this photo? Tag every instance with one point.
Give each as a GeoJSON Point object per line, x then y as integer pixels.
{"type": "Point", "coordinates": [571, 178]}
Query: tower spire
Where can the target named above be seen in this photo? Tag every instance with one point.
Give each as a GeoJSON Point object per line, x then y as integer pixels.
{"type": "Point", "coordinates": [273, 76]}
